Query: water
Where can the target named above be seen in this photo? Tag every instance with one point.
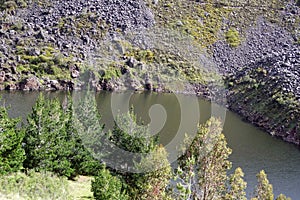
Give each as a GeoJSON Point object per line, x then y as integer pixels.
{"type": "Point", "coordinates": [253, 149]}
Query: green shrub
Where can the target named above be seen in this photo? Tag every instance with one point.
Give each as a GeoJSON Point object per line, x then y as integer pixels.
{"type": "Point", "coordinates": [110, 73]}
{"type": "Point", "coordinates": [108, 187]}
{"type": "Point", "coordinates": [33, 186]}
{"type": "Point", "coordinates": [232, 37]}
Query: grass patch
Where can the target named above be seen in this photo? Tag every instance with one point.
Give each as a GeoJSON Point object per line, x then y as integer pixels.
{"type": "Point", "coordinates": [233, 38]}
{"type": "Point", "coordinates": [33, 186]}
{"type": "Point", "coordinates": [202, 21]}
{"type": "Point", "coordinates": [81, 188]}
{"type": "Point", "coordinates": [48, 63]}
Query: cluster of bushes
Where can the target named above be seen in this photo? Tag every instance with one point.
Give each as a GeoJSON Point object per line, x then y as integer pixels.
{"type": "Point", "coordinates": [34, 185]}
{"type": "Point", "coordinates": [48, 62]}
{"type": "Point", "coordinates": [67, 141]}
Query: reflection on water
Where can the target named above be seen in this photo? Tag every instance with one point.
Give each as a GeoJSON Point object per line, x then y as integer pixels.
{"type": "Point", "coordinates": [253, 149]}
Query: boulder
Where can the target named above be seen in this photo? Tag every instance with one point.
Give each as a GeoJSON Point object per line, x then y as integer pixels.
{"type": "Point", "coordinates": [31, 83]}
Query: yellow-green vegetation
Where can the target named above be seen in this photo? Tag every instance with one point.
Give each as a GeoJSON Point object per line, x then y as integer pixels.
{"type": "Point", "coordinates": [207, 20]}
{"type": "Point", "coordinates": [141, 55]}
{"type": "Point", "coordinates": [83, 23]}
{"type": "Point", "coordinates": [172, 65]}
{"type": "Point", "coordinates": [261, 94]}
{"type": "Point", "coordinates": [81, 188]}
{"type": "Point", "coordinates": [232, 37]}
{"type": "Point", "coordinates": [112, 72]}
{"type": "Point", "coordinates": [49, 63]}
{"type": "Point", "coordinates": [203, 21]}
{"type": "Point", "coordinates": [44, 186]}
{"type": "Point", "coordinates": [34, 186]}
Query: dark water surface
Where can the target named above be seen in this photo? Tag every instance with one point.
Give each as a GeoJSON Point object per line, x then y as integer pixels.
{"type": "Point", "coordinates": [253, 149]}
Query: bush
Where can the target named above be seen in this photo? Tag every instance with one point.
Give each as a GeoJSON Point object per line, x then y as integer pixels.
{"type": "Point", "coordinates": [232, 37]}
{"type": "Point", "coordinates": [33, 186]}
{"type": "Point", "coordinates": [12, 154]}
{"type": "Point", "coordinates": [108, 187]}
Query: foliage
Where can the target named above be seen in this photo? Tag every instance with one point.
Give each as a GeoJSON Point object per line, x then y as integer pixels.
{"type": "Point", "coordinates": [33, 186]}
{"type": "Point", "coordinates": [128, 135]}
{"type": "Point", "coordinates": [237, 186]}
{"type": "Point", "coordinates": [47, 145]}
{"type": "Point", "coordinates": [12, 154]}
{"type": "Point", "coordinates": [108, 187]}
{"type": "Point", "coordinates": [52, 143]}
{"type": "Point", "coordinates": [201, 21]}
{"type": "Point", "coordinates": [112, 72]}
{"type": "Point", "coordinates": [202, 170]}
{"type": "Point", "coordinates": [82, 159]}
{"type": "Point", "coordinates": [232, 37]}
{"type": "Point", "coordinates": [86, 121]}
{"type": "Point", "coordinates": [155, 176]}
{"type": "Point", "coordinates": [264, 190]}
{"type": "Point", "coordinates": [152, 164]}
{"type": "Point", "coordinates": [49, 62]}
{"type": "Point", "coordinates": [282, 197]}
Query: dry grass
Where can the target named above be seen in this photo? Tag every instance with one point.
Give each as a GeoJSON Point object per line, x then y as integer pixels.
{"type": "Point", "coordinates": [81, 188]}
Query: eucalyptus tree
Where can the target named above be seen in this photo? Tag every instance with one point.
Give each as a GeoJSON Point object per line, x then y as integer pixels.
{"type": "Point", "coordinates": [264, 190]}
{"type": "Point", "coordinates": [202, 172]}
{"type": "Point", "coordinates": [237, 186]}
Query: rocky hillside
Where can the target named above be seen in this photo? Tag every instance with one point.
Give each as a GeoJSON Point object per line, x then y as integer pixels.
{"type": "Point", "coordinates": [267, 93]}
{"type": "Point", "coordinates": [112, 45]}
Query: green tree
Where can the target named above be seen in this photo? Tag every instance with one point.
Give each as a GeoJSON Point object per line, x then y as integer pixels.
{"type": "Point", "coordinates": [87, 123]}
{"type": "Point", "coordinates": [47, 144]}
{"type": "Point", "coordinates": [130, 137]}
{"type": "Point", "coordinates": [105, 186]}
{"type": "Point", "coordinates": [82, 159]}
{"type": "Point", "coordinates": [264, 190]}
{"type": "Point", "coordinates": [204, 165]}
{"type": "Point", "coordinates": [282, 197]}
{"type": "Point", "coordinates": [157, 172]}
{"type": "Point", "coordinates": [154, 168]}
{"type": "Point", "coordinates": [52, 143]}
{"type": "Point", "coordinates": [237, 186]}
{"type": "Point", "coordinates": [12, 154]}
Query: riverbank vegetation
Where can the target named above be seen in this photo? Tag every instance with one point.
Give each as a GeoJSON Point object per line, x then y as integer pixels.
{"type": "Point", "coordinates": [46, 157]}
